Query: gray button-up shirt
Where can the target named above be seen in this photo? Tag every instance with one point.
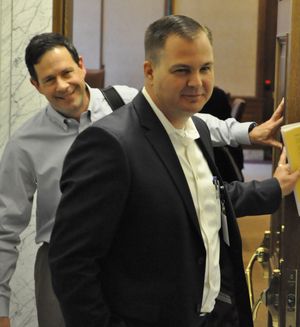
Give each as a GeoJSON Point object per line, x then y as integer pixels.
{"type": "Point", "coordinates": [31, 166]}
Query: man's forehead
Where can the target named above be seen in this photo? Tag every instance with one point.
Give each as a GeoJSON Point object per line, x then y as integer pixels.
{"type": "Point", "coordinates": [54, 61]}
{"type": "Point", "coordinates": [183, 51]}
{"type": "Point", "coordinates": [187, 38]}
{"type": "Point", "coordinates": [58, 51]}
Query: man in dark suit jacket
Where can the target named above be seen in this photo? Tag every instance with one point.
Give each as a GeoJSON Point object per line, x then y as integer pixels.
{"type": "Point", "coordinates": [146, 233]}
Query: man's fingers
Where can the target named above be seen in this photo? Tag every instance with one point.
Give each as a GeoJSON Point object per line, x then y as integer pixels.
{"type": "Point", "coordinates": [276, 144]}
{"type": "Point", "coordinates": [279, 111]}
{"type": "Point", "coordinates": [277, 122]}
{"type": "Point", "coordinates": [282, 158]}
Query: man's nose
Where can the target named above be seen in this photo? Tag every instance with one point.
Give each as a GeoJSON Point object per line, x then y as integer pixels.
{"type": "Point", "coordinates": [61, 84]}
{"type": "Point", "coordinates": [195, 79]}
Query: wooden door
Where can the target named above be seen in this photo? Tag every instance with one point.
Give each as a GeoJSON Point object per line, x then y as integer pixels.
{"type": "Point", "coordinates": [283, 295]}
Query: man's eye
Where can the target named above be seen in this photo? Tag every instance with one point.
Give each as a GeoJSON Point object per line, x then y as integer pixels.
{"type": "Point", "coordinates": [67, 72]}
{"type": "Point", "coordinates": [205, 69]}
{"type": "Point", "coordinates": [181, 71]}
{"type": "Point", "coordinates": [48, 80]}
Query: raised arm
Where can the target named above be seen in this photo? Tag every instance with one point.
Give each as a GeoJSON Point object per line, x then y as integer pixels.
{"type": "Point", "coordinates": [231, 132]}
{"type": "Point", "coordinates": [226, 132]}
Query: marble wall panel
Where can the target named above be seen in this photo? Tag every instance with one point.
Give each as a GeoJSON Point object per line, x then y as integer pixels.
{"type": "Point", "coordinates": [20, 20]}
{"type": "Point", "coordinates": [5, 65]}
{"type": "Point", "coordinates": [29, 18]}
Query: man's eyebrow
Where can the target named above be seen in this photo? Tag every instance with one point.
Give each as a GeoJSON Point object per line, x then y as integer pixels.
{"type": "Point", "coordinates": [44, 79]}
{"type": "Point", "coordinates": [209, 63]}
{"type": "Point", "coordinates": [180, 66]}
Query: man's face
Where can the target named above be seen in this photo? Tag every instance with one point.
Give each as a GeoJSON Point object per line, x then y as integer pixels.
{"type": "Point", "coordinates": [61, 81]}
{"type": "Point", "coordinates": [182, 81]}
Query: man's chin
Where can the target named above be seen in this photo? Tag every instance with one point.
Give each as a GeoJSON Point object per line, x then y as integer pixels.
{"type": "Point", "coordinates": [67, 103]}
{"type": "Point", "coordinates": [195, 106]}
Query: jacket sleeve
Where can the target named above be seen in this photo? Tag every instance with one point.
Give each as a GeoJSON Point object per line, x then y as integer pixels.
{"type": "Point", "coordinates": [94, 188]}
{"type": "Point", "coordinates": [17, 187]}
{"type": "Point", "coordinates": [255, 197]}
{"type": "Point", "coordinates": [246, 199]}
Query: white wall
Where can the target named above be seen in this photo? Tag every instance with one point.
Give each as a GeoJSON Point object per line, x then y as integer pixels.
{"type": "Point", "coordinates": [86, 31]}
{"type": "Point", "coordinates": [125, 23]}
{"type": "Point", "coordinates": [234, 26]}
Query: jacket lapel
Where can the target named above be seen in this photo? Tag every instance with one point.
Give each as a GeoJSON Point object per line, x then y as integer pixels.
{"type": "Point", "coordinates": [162, 145]}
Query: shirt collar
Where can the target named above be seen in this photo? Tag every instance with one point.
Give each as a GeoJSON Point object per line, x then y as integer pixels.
{"type": "Point", "coordinates": [186, 134]}
{"type": "Point", "coordinates": [56, 117]}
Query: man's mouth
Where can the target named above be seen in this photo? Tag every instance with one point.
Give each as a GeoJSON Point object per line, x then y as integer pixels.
{"type": "Point", "coordinates": [193, 95]}
{"type": "Point", "coordinates": [64, 96]}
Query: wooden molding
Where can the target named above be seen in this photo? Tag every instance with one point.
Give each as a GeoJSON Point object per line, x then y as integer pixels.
{"type": "Point", "coordinates": [62, 21]}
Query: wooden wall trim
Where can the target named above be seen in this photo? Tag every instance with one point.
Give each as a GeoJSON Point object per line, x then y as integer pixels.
{"type": "Point", "coordinates": [169, 7]}
{"type": "Point", "coordinates": [62, 18]}
{"type": "Point", "coordinates": [57, 16]}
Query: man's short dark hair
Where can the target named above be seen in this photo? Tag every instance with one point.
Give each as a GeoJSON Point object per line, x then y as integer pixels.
{"type": "Point", "coordinates": [158, 32]}
{"type": "Point", "coordinates": [42, 43]}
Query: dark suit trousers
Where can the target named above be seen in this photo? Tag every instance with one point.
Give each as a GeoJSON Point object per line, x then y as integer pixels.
{"type": "Point", "coordinates": [223, 315]}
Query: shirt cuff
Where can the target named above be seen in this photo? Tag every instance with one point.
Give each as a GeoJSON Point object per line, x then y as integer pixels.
{"type": "Point", "coordinates": [4, 307]}
{"type": "Point", "coordinates": [240, 132]}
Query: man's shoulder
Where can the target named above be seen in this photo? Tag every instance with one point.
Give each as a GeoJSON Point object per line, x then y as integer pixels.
{"type": "Point", "coordinates": [127, 93]}
{"type": "Point", "coordinates": [120, 116]}
{"type": "Point", "coordinates": [32, 124]}
{"type": "Point", "coordinates": [120, 124]}
{"type": "Point", "coordinates": [202, 129]}
{"type": "Point", "coordinates": [199, 122]}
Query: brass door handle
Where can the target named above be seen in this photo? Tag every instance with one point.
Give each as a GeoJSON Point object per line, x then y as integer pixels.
{"type": "Point", "coordinates": [262, 255]}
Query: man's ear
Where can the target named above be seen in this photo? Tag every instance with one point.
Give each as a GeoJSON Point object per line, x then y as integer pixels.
{"type": "Point", "coordinates": [148, 71]}
{"type": "Point", "coordinates": [82, 65]}
{"type": "Point", "coordinates": [35, 83]}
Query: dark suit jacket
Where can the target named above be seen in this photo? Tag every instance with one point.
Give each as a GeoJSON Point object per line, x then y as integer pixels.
{"type": "Point", "coordinates": [126, 248]}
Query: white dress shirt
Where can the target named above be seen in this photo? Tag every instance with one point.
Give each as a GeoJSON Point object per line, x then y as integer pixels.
{"type": "Point", "coordinates": [205, 197]}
